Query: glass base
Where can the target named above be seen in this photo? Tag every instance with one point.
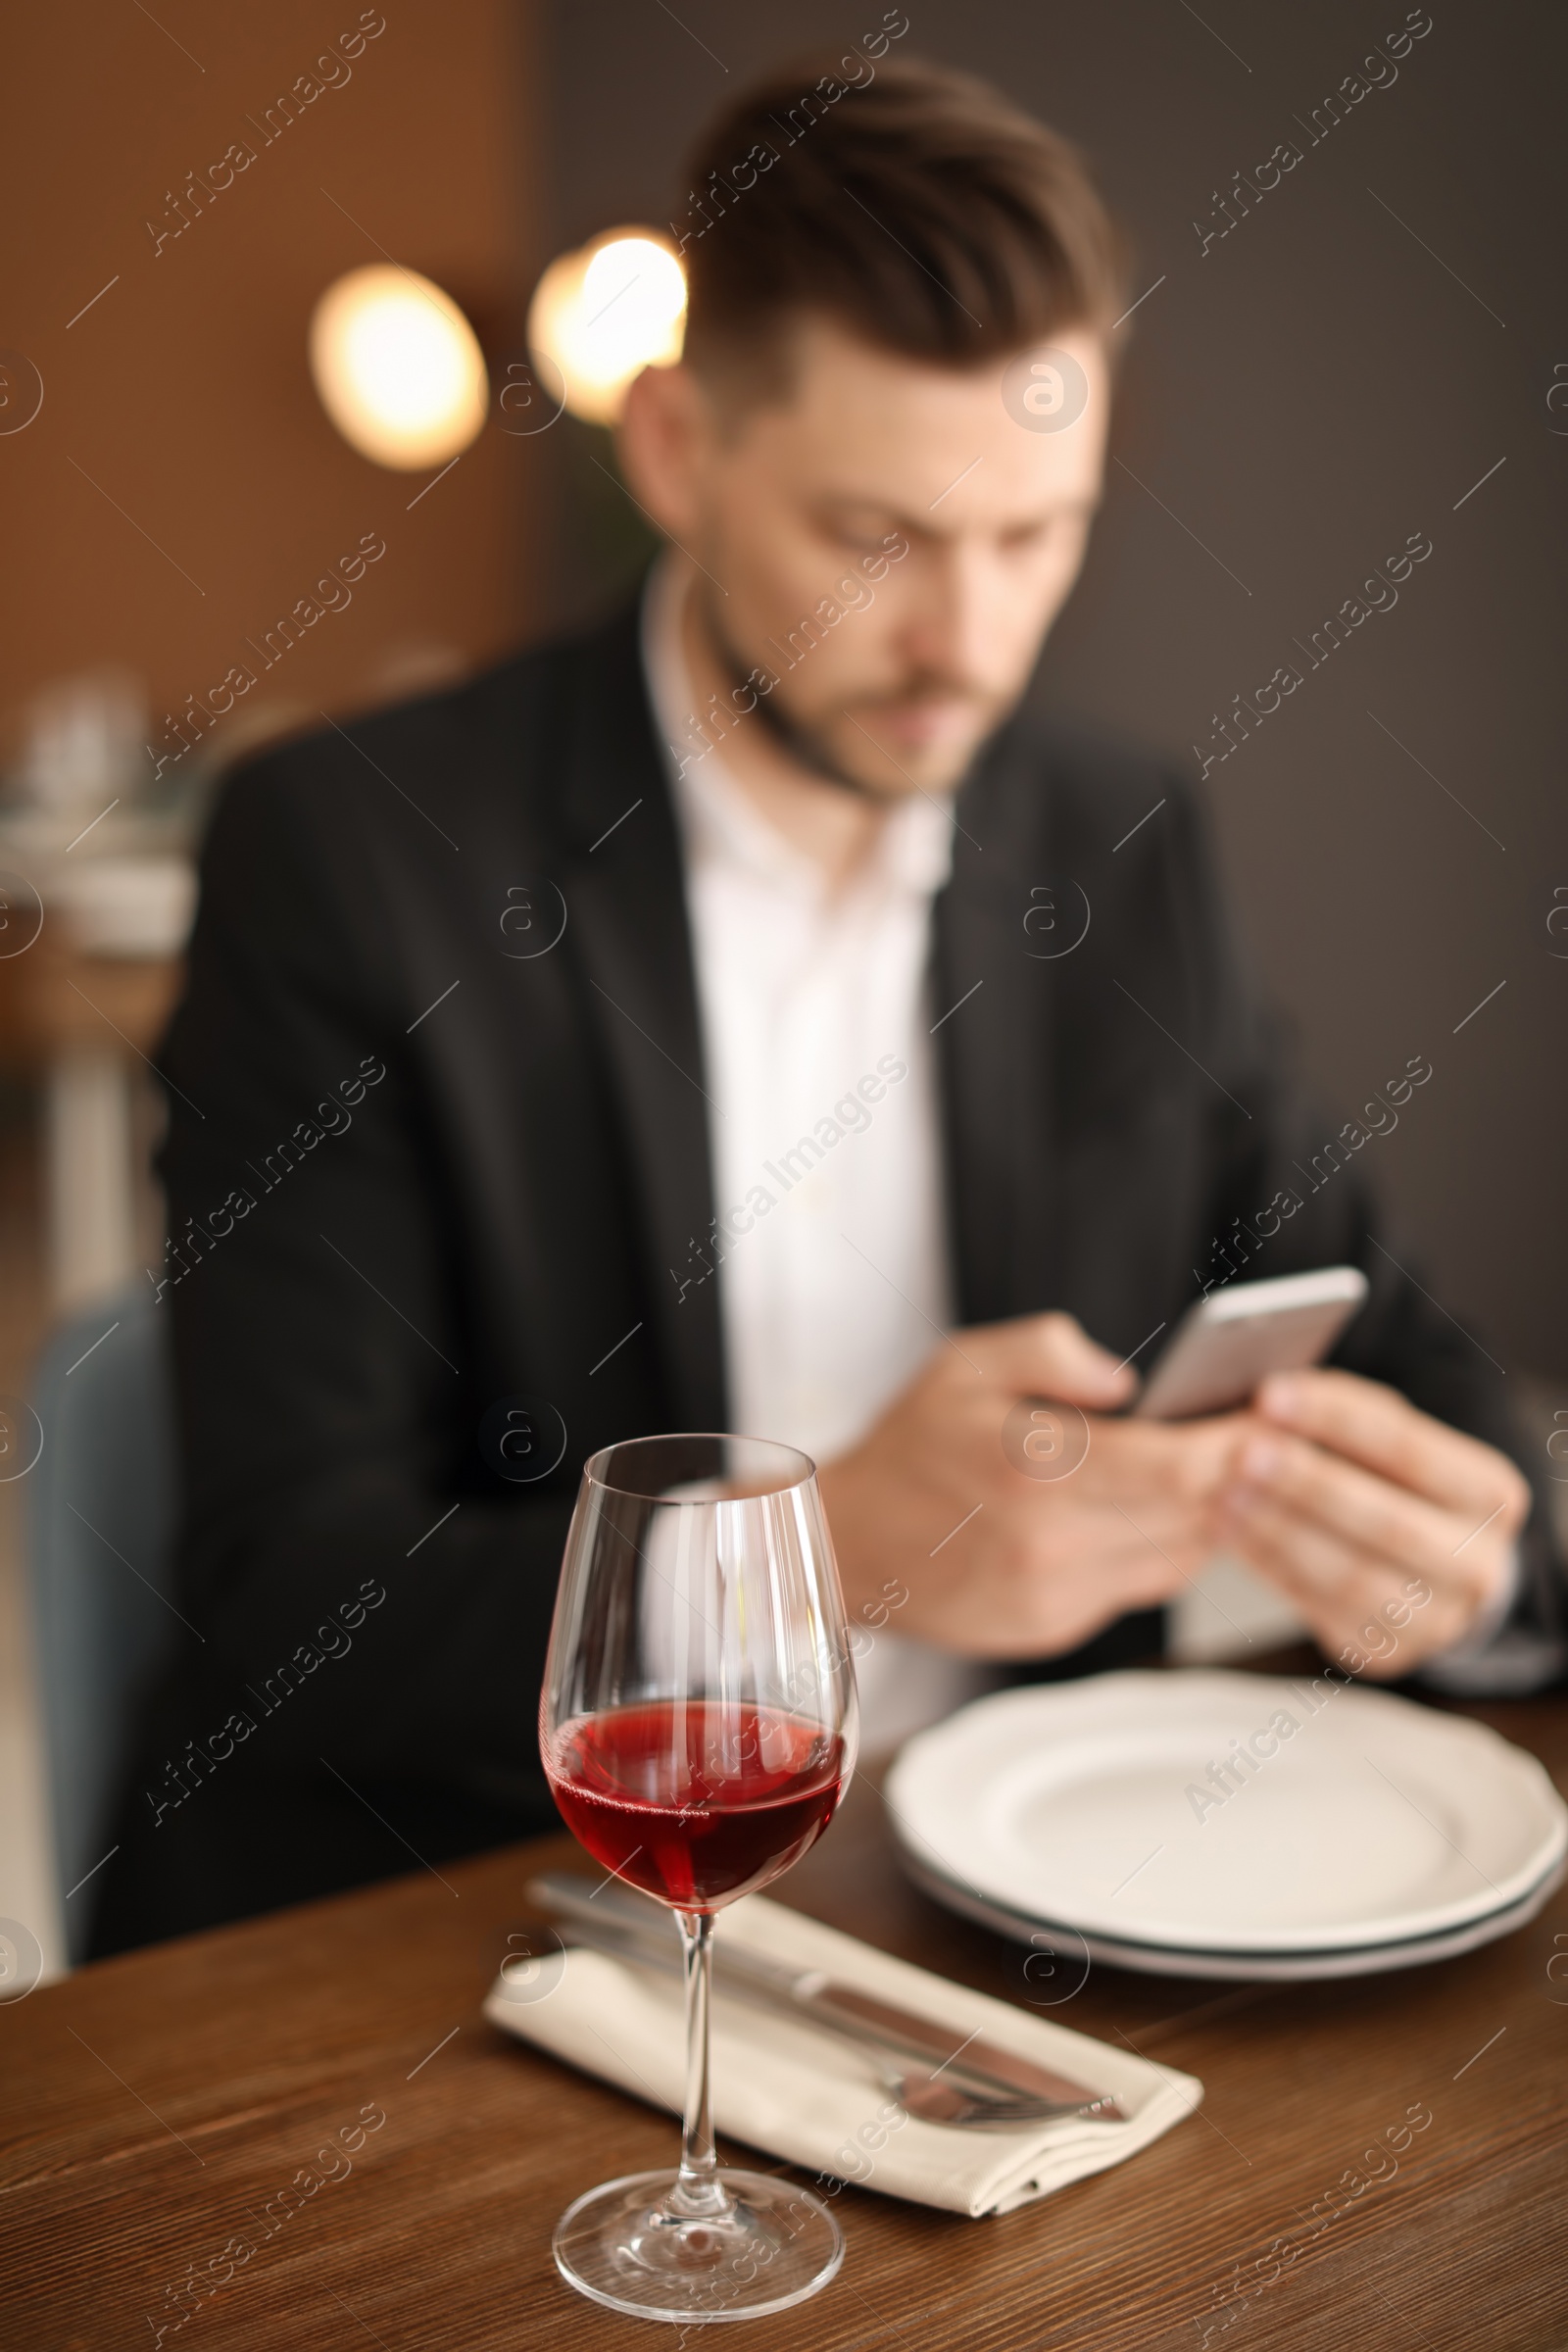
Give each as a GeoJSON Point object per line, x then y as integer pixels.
{"type": "Point", "coordinates": [769, 2245]}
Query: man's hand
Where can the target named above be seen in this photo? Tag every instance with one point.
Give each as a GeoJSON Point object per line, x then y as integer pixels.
{"type": "Point", "coordinates": [1353, 1502]}
{"type": "Point", "coordinates": [1000, 1563]}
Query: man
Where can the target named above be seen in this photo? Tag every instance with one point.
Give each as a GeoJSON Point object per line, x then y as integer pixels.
{"type": "Point", "coordinates": [743, 1017]}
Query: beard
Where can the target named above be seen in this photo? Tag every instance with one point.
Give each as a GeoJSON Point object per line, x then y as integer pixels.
{"type": "Point", "coordinates": [806, 746]}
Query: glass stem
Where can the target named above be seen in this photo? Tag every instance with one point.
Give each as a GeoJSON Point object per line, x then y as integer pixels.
{"type": "Point", "coordinates": [697, 2191]}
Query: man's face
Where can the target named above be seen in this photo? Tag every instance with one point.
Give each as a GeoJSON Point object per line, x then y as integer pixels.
{"type": "Point", "coordinates": [789, 504]}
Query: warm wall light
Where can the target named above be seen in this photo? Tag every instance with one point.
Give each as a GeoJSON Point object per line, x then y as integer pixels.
{"type": "Point", "coordinates": [605, 312]}
{"type": "Point", "coordinates": [398, 368]}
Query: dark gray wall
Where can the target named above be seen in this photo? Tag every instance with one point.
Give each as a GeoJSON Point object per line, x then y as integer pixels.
{"type": "Point", "coordinates": [1301, 397]}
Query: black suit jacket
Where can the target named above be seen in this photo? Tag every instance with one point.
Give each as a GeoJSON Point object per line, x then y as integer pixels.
{"type": "Point", "coordinates": [427, 1169]}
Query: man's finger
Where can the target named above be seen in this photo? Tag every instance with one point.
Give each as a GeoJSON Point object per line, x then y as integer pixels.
{"type": "Point", "coordinates": [1181, 1463]}
{"type": "Point", "coordinates": [1049, 1355]}
{"type": "Point", "coordinates": [1313, 1560]}
{"type": "Point", "coordinates": [1374, 1425]}
{"type": "Point", "coordinates": [1349, 1599]}
{"type": "Point", "coordinates": [1367, 1512]}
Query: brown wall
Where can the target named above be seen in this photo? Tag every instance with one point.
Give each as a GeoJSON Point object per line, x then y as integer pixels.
{"type": "Point", "coordinates": [183, 391]}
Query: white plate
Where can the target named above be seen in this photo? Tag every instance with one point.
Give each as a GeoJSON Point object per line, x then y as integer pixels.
{"type": "Point", "coordinates": [1360, 1820]}
{"type": "Point", "coordinates": [1066, 1950]}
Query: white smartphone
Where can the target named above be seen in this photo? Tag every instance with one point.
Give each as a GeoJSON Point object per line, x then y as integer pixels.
{"type": "Point", "coordinates": [1228, 1342]}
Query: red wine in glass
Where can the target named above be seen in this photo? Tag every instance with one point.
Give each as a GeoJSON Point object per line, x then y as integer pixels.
{"type": "Point", "coordinates": [693, 1800]}
{"type": "Point", "coordinates": [698, 1725]}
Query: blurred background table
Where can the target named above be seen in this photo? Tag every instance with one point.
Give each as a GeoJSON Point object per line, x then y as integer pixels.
{"type": "Point", "coordinates": [157, 2102]}
{"type": "Point", "coordinates": [84, 1027]}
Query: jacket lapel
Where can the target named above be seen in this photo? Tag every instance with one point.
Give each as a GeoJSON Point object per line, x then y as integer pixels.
{"type": "Point", "coordinates": [630, 943]}
{"type": "Point", "coordinates": [1001, 905]}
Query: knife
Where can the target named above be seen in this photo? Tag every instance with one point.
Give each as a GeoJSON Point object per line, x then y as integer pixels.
{"type": "Point", "coordinates": [823, 2001]}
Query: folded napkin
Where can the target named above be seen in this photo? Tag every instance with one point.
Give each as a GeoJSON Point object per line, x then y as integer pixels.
{"type": "Point", "coordinates": [813, 2098]}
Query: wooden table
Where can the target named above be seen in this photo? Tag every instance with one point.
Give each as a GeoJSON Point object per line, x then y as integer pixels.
{"type": "Point", "coordinates": [153, 2105]}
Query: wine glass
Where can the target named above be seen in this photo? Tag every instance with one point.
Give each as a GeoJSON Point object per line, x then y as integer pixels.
{"type": "Point", "coordinates": [698, 1725]}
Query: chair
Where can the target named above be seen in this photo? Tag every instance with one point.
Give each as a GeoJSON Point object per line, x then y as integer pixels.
{"type": "Point", "coordinates": [102, 1508]}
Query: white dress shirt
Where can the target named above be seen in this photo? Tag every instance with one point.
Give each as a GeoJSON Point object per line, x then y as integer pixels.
{"type": "Point", "coordinates": [823, 1127]}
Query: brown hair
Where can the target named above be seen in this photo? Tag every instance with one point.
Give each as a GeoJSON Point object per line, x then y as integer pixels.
{"type": "Point", "coordinates": [914, 206]}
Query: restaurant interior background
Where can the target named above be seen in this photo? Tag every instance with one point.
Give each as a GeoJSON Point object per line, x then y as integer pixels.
{"type": "Point", "coordinates": [1315, 376]}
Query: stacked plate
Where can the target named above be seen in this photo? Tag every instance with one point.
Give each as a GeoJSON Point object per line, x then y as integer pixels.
{"type": "Point", "coordinates": [1227, 1824]}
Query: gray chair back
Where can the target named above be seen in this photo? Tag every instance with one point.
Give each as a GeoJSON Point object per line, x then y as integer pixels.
{"type": "Point", "coordinates": [102, 1508]}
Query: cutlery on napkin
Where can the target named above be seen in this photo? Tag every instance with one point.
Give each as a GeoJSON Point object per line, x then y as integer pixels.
{"type": "Point", "coordinates": [786, 2086]}
{"type": "Point", "coordinates": [990, 2084]}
